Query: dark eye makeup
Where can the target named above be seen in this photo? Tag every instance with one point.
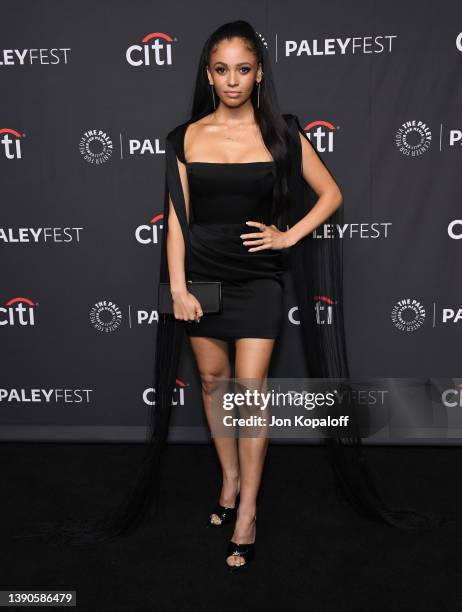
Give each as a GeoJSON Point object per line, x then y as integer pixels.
{"type": "Point", "coordinates": [219, 69]}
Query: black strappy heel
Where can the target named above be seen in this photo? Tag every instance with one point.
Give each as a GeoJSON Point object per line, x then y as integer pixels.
{"type": "Point", "coordinates": [224, 513]}
{"type": "Point", "coordinates": [246, 551]}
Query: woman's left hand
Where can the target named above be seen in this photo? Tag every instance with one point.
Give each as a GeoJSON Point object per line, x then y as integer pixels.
{"type": "Point", "coordinates": [269, 237]}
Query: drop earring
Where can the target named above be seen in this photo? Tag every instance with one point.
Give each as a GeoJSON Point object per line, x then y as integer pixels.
{"type": "Point", "coordinates": [213, 96]}
{"type": "Point", "coordinates": [258, 92]}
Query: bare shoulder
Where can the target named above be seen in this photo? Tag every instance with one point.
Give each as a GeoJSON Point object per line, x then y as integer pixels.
{"type": "Point", "coordinates": [198, 132]}
{"type": "Point", "coordinates": [206, 120]}
{"type": "Point", "coordinates": [195, 127]}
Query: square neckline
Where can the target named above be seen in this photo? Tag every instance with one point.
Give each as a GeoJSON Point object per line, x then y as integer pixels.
{"type": "Point", "coordinates": [186, 163]}
{"type": "Point", "coordinates": [228, 163]}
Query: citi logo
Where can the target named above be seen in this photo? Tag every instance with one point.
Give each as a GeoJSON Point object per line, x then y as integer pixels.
{"type": "Point", "coordinates": [11, 141]}
{"type": "Point", "coordinates": [323, 311]}
{"type": "Point", "coordinates": [323, 307]}
{"type": "Point", "coordinates": [150, 234]}
{"type": "Point", "coordinates": [321, 134]}
{"type": "Point", "coordinates": [452, 398]}
{"type": "Point", "coordinates": [455, 229]}
{"type": "Point", "coordinates": [18, 311]}
{"type": "Point", "coordinates": [459, 41]}
{"type": "Point", "coordinates": [155, 49]}
{"type": "Point", "coordinates": [178, 395]}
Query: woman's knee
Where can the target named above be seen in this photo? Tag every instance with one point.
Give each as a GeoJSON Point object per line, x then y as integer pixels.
{"type": "Point", "coordinates": [211, 380]}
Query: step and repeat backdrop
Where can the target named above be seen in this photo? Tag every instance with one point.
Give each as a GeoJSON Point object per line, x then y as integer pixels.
{"type": "Point", "coordinates": [89, 92]}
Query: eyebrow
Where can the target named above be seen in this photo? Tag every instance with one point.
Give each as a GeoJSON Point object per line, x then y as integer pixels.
{"type": "Point", "coordinates": [240, 63]}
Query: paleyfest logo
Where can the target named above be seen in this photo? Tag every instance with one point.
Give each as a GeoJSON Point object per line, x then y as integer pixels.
{"type": "Point", "coordinates": [155, 48]}
{"type": "Point", "coordinates": [350, 45]}
{"type": "Point", "coordinates": [408, 314]}
{"type": "Point", "coordinates": [413, 138]}
{"type": "Point", "coordinates": [11, 142]}
{"type": "Point", "coordinates": [96, 146]}
{"type": "Point", "coordinates": [29, 57]}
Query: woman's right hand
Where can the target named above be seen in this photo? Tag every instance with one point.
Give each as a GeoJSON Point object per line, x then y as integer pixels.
{"type": "Point", "coordinates": [186, 306]}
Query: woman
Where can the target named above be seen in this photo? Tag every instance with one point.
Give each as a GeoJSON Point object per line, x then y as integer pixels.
{"type": "Point", "coordinates": [230, 173]}
{"type": "Point", "coordinates": [239, 160]}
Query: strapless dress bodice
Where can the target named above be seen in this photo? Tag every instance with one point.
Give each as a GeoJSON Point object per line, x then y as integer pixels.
{"type": "Point", "coordinates": [230, 193]}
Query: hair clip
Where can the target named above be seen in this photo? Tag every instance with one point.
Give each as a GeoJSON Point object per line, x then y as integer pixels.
{"type": "Point", "coordinates": [262, 39]}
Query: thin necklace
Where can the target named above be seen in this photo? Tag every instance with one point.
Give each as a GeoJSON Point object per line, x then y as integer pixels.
{"type": "Point", "coordinates": [230, 137]}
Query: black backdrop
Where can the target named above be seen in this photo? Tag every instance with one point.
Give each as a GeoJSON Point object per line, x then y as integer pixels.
{"type": "Point", "coordinates": [89, 92]}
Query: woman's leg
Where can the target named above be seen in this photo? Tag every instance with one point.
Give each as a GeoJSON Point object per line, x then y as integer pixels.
{"type": "Point", "coordinates": [212, 358]}
{"type": "Point", "coordinates": [253, 356]}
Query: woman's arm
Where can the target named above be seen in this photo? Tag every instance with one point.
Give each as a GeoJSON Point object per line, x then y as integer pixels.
{"type": "Point", "coordinates": [186, 306]}
{"type": "Point", "coordinates": [330, 197]}
{"type": "Point", "coordinates": [175, 240]}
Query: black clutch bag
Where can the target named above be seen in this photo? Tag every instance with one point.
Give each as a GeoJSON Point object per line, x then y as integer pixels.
{"type": "Point", "coordinates": [207, 292]}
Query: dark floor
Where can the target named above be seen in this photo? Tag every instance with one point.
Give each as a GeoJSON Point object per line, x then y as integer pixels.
{"type": "Point", "coordinates": [313, 553]}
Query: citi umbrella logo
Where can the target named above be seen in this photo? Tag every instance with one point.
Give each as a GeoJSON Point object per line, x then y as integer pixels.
{"type": "Point", "coordinates": [178, 394]}
{"type": "Point", "coordinates": [10, 141]}
{"type": "Point", "coordinates": [155, 49]}
{"type": "Point", "coordinates": [321, 134]}
{"type": "Point", "coordinates": [323, 311]}
{"type": "Point", "coordinates": [18, 311]}
{"type": "Point", "coordinates": [150, 234]}
{"type": "Point", "coordinates": [452, 397]}
{"type": "Point", "coordinates": [323, 307]}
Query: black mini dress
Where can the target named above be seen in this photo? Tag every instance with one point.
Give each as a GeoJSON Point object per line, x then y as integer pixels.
{"type": "Point", "coordinates": [223, 196]}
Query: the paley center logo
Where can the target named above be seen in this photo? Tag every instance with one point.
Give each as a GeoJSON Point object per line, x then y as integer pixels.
{"type": "Point", "coordinates": [155, 49]}
{"type": "Point", "coordinates": [96, 146]}
{"type": "Point", "coordinates": [413, 138]}
{"type": "Point", "coordinates": [106, 316]}
{"type": "Point", "coordinates": [408, 314]}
